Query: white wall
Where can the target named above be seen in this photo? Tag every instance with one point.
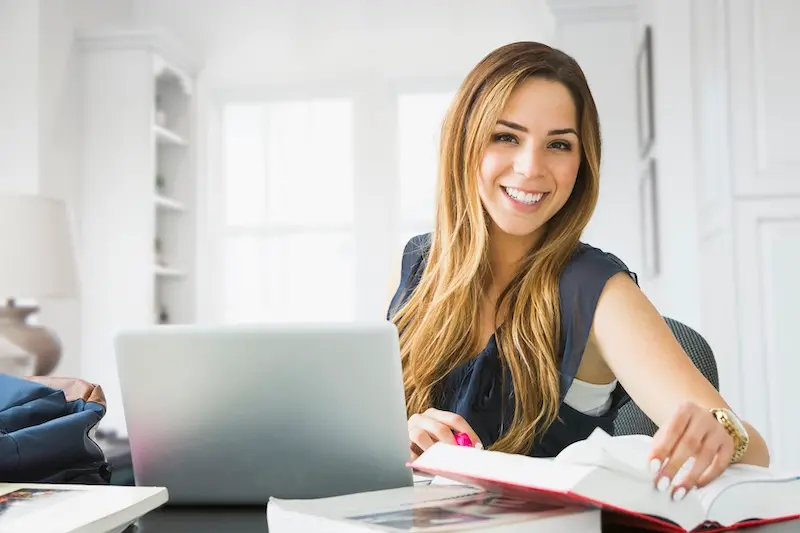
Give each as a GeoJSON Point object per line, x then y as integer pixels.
{"type": "Point", "coordinates": [40, 118]}
{"type": "Point", "coordinates": [19, 96]}
{"type": "Point", "coordinates": [60, 126]}
{"type": "Point", "coordinates": [279, 43]}
{"type": "Point", "coordinates": [676, 290]}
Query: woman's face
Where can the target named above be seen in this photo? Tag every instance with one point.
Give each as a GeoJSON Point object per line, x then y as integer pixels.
{"type": "Point", "coordinates": [529, 169]}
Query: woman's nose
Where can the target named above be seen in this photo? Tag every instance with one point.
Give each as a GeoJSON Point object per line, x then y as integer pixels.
{"type": "Point", "coordinates": [529, 162]}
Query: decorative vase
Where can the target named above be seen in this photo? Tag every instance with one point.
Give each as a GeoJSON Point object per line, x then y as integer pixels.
{"type": "Point", "coordinates": [163, 315]}
{"type": "Point", "coordinates": [15, 361]}
{"type": "Point", "coordinates": [159, 252]}
{"type": "Point", "coordinates": [33, 339]}
{"type": "Point", "coordinates": [161, 184]}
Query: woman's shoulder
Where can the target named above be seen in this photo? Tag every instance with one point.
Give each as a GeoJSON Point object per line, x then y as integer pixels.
{"type": "Point", "coordinates": [591, 265]}
{"type": "Point", "coordinates": [417, 247]}
{"type": "Point", "coordinates": [415, 253]}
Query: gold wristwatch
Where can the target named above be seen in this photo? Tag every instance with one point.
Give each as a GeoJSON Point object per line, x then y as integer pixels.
{"type": "Point", "coordinates": [735, 429]}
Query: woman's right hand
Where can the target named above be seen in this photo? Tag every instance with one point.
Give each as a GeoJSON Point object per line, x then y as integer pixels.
{"type": "Point", "coordinates": [437, 426]}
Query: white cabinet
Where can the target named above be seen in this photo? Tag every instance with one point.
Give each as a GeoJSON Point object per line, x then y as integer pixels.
{"type": "Point", "coordinates": [749, 191]}
{"type": "Point", "coordinates": [138, 188]}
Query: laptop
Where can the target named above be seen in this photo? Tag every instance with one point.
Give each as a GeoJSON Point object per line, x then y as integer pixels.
{"type": "Point", "coordinates": [236, 414]}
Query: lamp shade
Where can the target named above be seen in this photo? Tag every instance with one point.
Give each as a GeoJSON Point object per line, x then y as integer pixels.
{"type": "Point", "coordinates": [37, 255]}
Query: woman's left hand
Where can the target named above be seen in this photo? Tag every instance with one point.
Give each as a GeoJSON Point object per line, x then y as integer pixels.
{"type": "Point", "coordinates": [693, 438]}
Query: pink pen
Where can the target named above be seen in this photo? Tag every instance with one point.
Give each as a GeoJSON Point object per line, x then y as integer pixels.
{"type": "Point", "coordinates": [462, 439]}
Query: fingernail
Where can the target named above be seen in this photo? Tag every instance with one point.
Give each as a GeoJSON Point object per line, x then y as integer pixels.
{"type": "Point", "coordinates": [663, 484]}
{"type": "Point", "coordinates": [655, 466]}
{"type": "Point", "coordinates": [478, 445]}
{"type": "Point", "coordinates": [679, 494]}
{"type": "Point", "coordinates": [684, 471]}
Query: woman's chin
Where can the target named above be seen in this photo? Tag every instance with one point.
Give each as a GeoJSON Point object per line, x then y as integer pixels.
{"type": "Point", "coordinates": [515, 229]}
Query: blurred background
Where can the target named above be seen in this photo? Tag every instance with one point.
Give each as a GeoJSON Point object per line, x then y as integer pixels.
{"type": "Point", "coordinates": [229, 161]}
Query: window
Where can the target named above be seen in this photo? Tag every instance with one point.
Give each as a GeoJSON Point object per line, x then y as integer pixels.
{"type": "Point", "coordinates": [288, 242]}
{"type": "Point", "coordinates": [420, 117]}
{"type": "Point", "coordinates": [303, 226]}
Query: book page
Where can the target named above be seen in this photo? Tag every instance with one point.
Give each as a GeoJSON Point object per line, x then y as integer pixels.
{"type": "Point", "coordinates": [625, 454]}
{"type": "Point", "coordinates": [734, 475]}
{"type": "Point", "coordinates": [629, 454]}
{"type": "Point", "coordinates": [466, 465]}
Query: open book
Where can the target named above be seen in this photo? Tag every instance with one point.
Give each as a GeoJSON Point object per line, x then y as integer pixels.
{"type": "Point", "coordinates": [427, 509]}
{"type": "Point", "coordinates": [51, 508]}
{"type": "Point", "coordinates": [612, 473]}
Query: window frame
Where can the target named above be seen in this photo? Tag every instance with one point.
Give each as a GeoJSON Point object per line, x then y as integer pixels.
{"type": "Point", "coordinates": [377, 224]}
{"type": "Point", "coordinates": [419, 226]}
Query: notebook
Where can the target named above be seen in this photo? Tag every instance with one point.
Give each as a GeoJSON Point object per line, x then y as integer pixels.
{"type": "Point", "coordinates": [51, 508]}
{"type": "Point", "coordinates": [611, 473]}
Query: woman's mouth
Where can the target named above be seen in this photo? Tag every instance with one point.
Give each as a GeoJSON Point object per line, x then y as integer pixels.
{"type": "Point", "coordinates": [522, 198]}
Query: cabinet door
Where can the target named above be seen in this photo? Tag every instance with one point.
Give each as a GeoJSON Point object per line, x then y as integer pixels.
{"type": "Point", "coordinates": [767, 261]}
{"type": "Point", "coordinates": [763, 40]}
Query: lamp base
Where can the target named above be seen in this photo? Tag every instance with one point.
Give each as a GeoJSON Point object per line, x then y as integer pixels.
{"type": "Point", "coordinates": [43, 343]}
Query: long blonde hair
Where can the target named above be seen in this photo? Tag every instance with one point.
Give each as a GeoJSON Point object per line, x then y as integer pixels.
{"type": "Point", "coordinates": [439, 323]}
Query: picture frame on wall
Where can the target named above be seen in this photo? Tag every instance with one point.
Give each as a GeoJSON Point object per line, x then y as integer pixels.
{"type": "Point", "coordinates": [648, 202]}
{"type": "Point", "coordinates": [644, 92]}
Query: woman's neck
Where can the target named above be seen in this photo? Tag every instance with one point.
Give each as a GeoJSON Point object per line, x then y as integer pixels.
{"type": "Point", "coordinates": [505, 253]}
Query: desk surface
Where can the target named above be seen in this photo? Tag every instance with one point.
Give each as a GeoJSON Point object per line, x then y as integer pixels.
{"type": "Point", "coordinates": [199, 520]}
{"type": "Point", "coordinates": [254, 520]}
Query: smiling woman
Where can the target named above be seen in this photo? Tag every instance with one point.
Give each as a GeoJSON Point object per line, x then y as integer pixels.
{"type": "Point", "coordinates": [529, 166]}
{"type": "Point", "coordinates": [515, 332]}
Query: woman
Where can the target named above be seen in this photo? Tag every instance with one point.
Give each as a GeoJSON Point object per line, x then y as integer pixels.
{"type": "Point", "coordinates": [511, 329]}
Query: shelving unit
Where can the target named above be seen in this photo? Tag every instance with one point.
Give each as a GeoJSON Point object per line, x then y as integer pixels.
{"type": "Point", "coordinates": [172, 94]}
{"type": "Point", "coordinates": [137, 222]}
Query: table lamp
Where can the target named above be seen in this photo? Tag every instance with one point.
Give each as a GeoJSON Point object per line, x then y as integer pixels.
{"type": "Point", "coordinates": [37, 262]}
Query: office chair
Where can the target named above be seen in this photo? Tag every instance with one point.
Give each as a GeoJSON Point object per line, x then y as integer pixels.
{"type": "Point", "coordinates": [630, 419]}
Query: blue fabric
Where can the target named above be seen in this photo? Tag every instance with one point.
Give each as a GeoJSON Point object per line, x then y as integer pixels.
{"type": "Point", "coordinates": [44, 438]}
{"type": "Point", "coordinates": [473, 390]}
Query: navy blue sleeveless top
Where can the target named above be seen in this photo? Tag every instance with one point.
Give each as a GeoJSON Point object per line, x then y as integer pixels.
{"type": "Point", "coordinates": [474, 389]}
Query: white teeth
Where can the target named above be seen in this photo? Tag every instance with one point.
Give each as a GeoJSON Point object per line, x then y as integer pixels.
{"type": "Point", "coordinates": [522, 196]}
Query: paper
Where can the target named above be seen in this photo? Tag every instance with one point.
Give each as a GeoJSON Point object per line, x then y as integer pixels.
{"type": "Point", "coordinates": [21, 503]}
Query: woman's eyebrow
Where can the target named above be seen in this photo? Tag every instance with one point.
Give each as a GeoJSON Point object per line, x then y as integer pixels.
{"type": "Point", "coordinates": [519, 127]}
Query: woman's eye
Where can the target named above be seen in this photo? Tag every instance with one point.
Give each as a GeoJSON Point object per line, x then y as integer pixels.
{"type": "Point", "coordinates": [561, 145]}
{"type": "Point", "coordinates": [505, 138]}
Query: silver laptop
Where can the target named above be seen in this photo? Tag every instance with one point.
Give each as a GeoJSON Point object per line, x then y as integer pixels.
{"type": "Point", "coordinates": [236, 414]}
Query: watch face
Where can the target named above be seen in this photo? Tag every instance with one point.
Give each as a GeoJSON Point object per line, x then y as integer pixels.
{"type": "Point", "coordinates": [734, 420]}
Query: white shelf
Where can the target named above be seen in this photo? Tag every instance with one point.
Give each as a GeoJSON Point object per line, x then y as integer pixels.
{"type": "Point", "coordinates": [169, 204]}
{"type": "Point", "coordinates": [167, 272]}
{"type": "Point", "coordinates": [162, 68]}
{"type": "Point", "coordinates": [165, 136]}
{"type": "Point", "coordinates": [125, 77]}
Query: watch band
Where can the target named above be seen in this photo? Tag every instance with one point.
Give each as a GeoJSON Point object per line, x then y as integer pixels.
{"type": "Point", "coordinates": [740, 437]}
